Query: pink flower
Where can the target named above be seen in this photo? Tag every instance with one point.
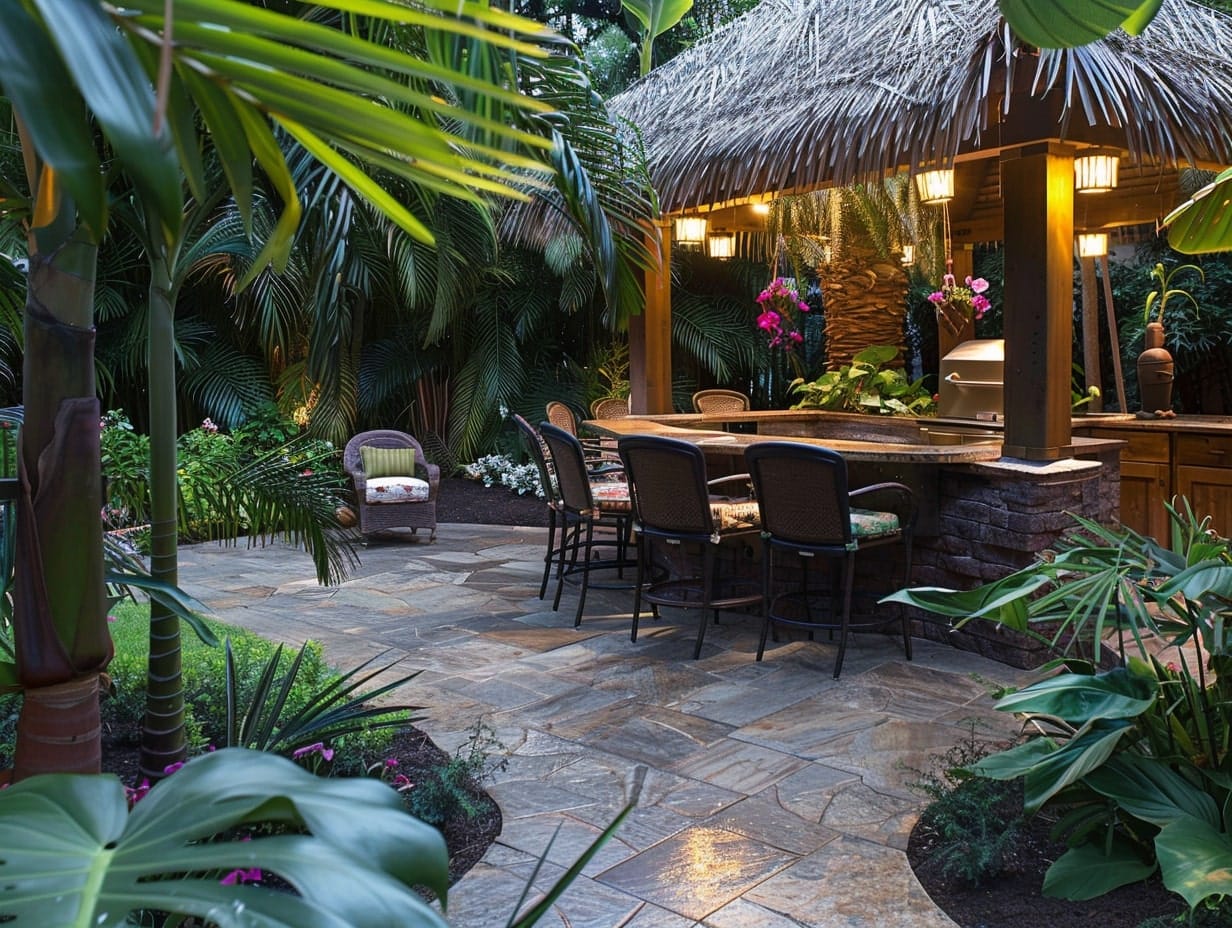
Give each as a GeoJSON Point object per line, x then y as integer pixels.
{"type": "Point", "coordinates": [306, 472]}
{"type": "Point", "coordinates": [769, 321]}
{"type": "Point", "coordinates": [391, 762]}
{"type": "Point", "coordinates": [172, 768]}
{"type": "Point", "coordinates": [327, 754]}
{"type": "Point", "coordinates": [980, 304]}
{"type": "Point", "coordinates": [979, 285]}
{"type": "Point", "coordinates": [937, 297]}
{"type": "Point", "coordinates": [947, 281]}
{"type": "Point", "coordinates": [235, 877]}
{"type": "Point", "coordinates": [135, 794]}
{"type": "Point", "coordinates": [207, 425]}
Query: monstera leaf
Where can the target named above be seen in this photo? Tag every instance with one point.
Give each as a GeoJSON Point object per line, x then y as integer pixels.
{"type": "Point", "coordinates": [73, 855]}
{"type": "Point", "coordinates": [1069, 23]}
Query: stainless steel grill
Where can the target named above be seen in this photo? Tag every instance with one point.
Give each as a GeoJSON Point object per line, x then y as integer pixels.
{"type": "Point", "coordinates": [973, 381]}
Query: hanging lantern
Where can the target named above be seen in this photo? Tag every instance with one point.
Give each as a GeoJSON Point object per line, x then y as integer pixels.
{"type": "Point", "coordinates": [936, 187]}
{"type": "Point", "coordinates": [908, 257]}
{"type": "Point", "coordinates": [761, 209]}
{"type": "Point", "coordinates": [1095, 171]}
{"type": "Point", "coordinates": [691, 230]}
{"type": "Point", "coordinates": [1092, 244]}
{"type": "Point", "coordinates": [721, 245]}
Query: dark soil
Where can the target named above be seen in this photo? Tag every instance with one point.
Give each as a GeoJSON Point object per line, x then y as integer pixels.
{"type": "Point", "coordinates": [469, 501]}
{"type": "Point", "coordinates": [1013, 898]}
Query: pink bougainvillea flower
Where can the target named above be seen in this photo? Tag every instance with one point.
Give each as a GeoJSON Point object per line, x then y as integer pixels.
{"type": "Point", "coordinates": [937, 297]}
{"type": "Point", "coordinates": [979, 285]}
{"type": "Point", "coordinates": [769, 321]}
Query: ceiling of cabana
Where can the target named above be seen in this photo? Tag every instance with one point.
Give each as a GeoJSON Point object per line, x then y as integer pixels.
{"type": "Point", "coordinates": [799, 95]}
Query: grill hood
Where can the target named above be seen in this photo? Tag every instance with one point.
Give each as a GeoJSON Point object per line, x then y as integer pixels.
{"type": "Point", "coordinates": [973, 381]}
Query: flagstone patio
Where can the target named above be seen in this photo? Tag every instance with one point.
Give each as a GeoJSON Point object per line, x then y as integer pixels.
{"type": "Point", "coordinates": [771, 794]}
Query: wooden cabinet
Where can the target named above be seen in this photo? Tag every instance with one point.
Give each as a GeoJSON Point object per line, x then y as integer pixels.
{"type": "Point", "coordinates": [1203, 475]}
{"type": "Point", "coordinates": [1146, 478]}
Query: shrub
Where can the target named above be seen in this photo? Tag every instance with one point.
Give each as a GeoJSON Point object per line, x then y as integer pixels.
{"type": "Point", "coordinates": [973, 822]}
{"type": "Point", "coordinates": [867, 385]}
{"type": "Point", "coordinates": [446, 792]}
{"type": "Point", "coordinates": [499, 470]}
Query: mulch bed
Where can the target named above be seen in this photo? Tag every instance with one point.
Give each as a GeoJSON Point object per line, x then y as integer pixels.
{"type": "Point", "coordinates": [469, 501]}
{"type": "Point", "coordinates": [1013, 898]}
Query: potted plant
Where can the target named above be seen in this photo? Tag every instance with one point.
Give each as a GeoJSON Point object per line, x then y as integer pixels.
{"type": "Point", "coordinates": [1155, 370]}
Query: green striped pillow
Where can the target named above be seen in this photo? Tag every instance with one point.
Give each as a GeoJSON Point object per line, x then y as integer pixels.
{"type": "Point", "coordinates": [387, 462]}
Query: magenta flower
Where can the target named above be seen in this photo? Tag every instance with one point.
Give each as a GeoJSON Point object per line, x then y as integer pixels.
{"type": "Point", "coordinates": [979, 285]}
{"type": "Point", "coordinates": [327, 754]}
{"type": "Point", "coordinates": [172, 768]}
{"type": "Point", "coordinates": [135, 794]}
{"type": "Point", "coordinates": [236, 877]}
{"type": "Point", "coordinates": [769, 321]}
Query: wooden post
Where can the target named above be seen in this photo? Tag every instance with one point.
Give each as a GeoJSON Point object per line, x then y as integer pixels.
{"type": "Point", "coordinates": [1090, 333]}
{"type": "Point", "coordinates": [650, 333]}
{"type": "Point", "coordinates": [1037, 187]}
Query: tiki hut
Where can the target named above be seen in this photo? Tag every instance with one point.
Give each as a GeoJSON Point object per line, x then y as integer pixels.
{"type": "Point", "coordinates": [799, 95]}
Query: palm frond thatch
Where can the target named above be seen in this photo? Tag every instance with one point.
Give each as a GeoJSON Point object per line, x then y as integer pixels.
{"type": "Point", "coordinates": [856, 89]}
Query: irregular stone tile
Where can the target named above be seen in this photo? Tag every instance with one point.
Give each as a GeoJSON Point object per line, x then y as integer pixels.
{"type": "Point", "coordinates": [741, 913]}
{"type": "Point", "coordinates": [807, 792]}
{"type": "Point", "coordinates": [529, 638]}
{"type": "Point", "coordinates": [845, 884]}
{"type": "Point", "coordinates": [879, 817]}
{"type": "Point", "coordinates": [804, 728]}
{"type": "Point", "coordinates": [729, 703]}
{"type": "Point", "coordinates": [651, 916]}
{"type": "Point", "coordinates": [653, 736]}
{"type": "Point", "coordinates": [522, 798]}
{"type": "Point", "coordinates": [697, 871]}
{"type": "Point", "coordinates": [740, 767]}
{"type": "Point", "coordinates": [562, 840]}
{"type": "Point", "coordinates": [576, 700]}
{"type": "Point", "coordinates": [767, 822]}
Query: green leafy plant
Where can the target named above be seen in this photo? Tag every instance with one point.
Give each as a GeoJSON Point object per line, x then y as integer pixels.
{"type": "Point", "coordinates": [269, 722]}
{"type": "Point", "coordinates": [867, 385]}
{"type": "Point", "coordinates": [1162, 291]}
{"type": "Point", "coordinates": [971, 822]}
{"type": "Point", "coordinates": [345, 848]}
{"type": "Point", "coordinates": [447, 791]}
{"type": "Point", "coordinates": [1137, 758]}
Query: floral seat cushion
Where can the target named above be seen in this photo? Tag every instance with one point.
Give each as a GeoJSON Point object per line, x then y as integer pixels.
{"type": "Point", "coordinates": [380, 490]}
{"type": "Point", "coordinates": [735, 516]}
{"type": "Point", "coordinates": [868, 523]}
{"type": "Point", "coordinates": [611, 495]}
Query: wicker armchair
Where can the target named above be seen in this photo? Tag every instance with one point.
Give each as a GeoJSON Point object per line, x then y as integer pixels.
{"type": "Point", "coordinates": [392, 501]}
{"type": "Point", "coordinates": [719, 401]}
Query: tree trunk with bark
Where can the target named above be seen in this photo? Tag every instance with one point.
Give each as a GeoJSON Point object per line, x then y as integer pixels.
{"type": "Point", "coordinates": [865, 301]}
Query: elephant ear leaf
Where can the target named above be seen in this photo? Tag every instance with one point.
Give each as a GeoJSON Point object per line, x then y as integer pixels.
{"type": "Point", "coordinates": [1203, 224]}
{"type": "Point", "coordinates": [1070, 23]}
{"type": "Point", "coordinates": [1195, 859]}
{"type": "Point", "coordinates": [345, 848]}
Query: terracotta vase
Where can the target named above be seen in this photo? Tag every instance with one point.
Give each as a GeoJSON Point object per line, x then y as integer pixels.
{"type": "Point", "coordinates": [1155, 371]}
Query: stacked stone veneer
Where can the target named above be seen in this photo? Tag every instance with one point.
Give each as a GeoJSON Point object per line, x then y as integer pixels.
{"type": "Point", "coordinates": [995, 518]}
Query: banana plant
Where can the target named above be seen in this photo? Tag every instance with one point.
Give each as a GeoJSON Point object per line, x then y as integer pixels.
{"type": "Point", "coordinates": [655, 17]}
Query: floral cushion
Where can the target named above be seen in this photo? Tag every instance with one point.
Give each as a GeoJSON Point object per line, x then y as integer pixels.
{"type": "Point", "coordinates": [734, 517]}
{"type": "Point", "coordinates": [867, 523]}
{"type": "Point", "coordinates": [611, 495]}
{"type": "Point", "coordinates": [395, 490]}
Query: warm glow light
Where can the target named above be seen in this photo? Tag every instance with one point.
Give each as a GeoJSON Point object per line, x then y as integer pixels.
{"type": "Point", "coordinates": [936, 187]}
{"type": "Point", "coordinates": [691, 230]}
{"type": "Point", "coordinates": [908, 254]}
{"type": "Point", "coordinates": [761, 209]}
{"type": "Point", "coordinates": [722, 245]}
{"type": "Point", "coordinates": [1096, 171]}
{"type": "Point", "coordinates": [1092, 244]}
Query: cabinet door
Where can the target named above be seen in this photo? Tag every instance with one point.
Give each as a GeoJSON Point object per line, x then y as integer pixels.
{"type": "Point", "coordinates": [1144, 489]}
{"type": "Point", "coordinates": [1209, 491]}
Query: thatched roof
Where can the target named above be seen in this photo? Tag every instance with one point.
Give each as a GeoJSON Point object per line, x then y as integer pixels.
{"type": "Point", "coordinates": [799, 94]}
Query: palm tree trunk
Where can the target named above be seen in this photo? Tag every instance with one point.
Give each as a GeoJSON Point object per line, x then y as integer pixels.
{"type": "Point", "coordinates": [59, 608]}
{"type": "Point", "coordinates": [162, 736]}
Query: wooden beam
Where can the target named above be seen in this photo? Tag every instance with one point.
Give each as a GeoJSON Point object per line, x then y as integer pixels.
{"type": "Point", "coordinates": [1037, 184]}
{"type": "Point", "coordinates": [650, 333]}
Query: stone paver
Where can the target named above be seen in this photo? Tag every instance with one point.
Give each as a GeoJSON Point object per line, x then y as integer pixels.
{"type": "Point", "coordinates": [771, 795]}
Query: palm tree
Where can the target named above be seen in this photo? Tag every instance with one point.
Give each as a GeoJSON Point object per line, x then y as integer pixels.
{"type": "Point", "coordinates": [356, 106]}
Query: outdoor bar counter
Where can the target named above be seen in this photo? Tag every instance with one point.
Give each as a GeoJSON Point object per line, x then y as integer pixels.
{"type": "Point", "coordinates": [981, 516]}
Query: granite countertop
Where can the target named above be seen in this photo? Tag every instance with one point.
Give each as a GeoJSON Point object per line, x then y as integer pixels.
{"type": "Point", "coordinates": [1180, 423]}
